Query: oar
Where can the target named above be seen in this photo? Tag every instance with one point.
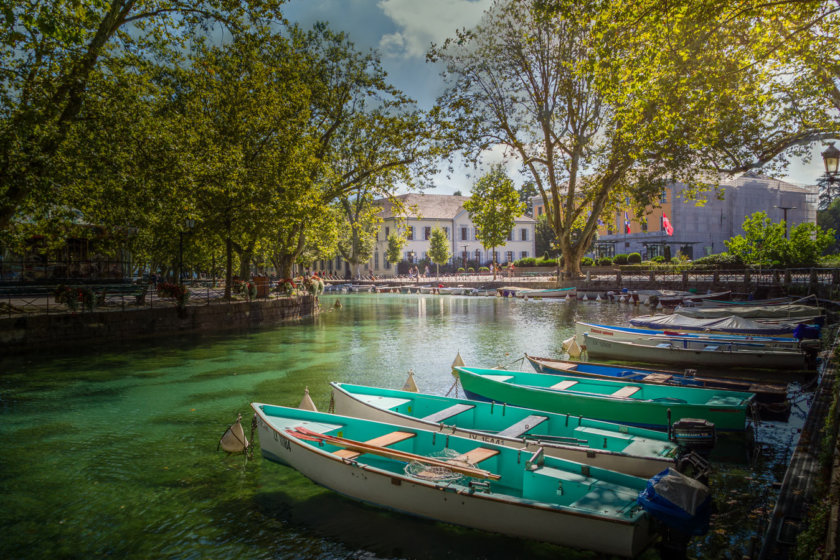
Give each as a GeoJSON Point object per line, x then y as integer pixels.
{"type": "Point", "coordinates": [362, 447]}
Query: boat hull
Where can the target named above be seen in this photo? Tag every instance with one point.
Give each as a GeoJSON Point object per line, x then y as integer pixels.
{"type": "Point", "coordinates": [453, 504]}
{"type": "Point", "coordinates": [648, 414]}
{"type": "Point", "coordinates": [601, 347]}
{"type": "Point", "coordinates": [636, 465]}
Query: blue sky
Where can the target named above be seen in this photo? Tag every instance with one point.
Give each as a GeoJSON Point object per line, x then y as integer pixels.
{"type": "Point", "coordinates": [403, 30]}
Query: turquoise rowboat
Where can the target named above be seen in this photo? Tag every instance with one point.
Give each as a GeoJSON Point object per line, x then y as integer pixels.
{"type": "Point", "coordinates": [459, 480]}
{"type": "Point", "coordinates": [626, 449]}
{"type": "Point", "coordinates": [637, 404]}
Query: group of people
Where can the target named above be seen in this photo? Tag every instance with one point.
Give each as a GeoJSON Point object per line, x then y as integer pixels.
{"type": "Point", "coordinates": [414, 272]}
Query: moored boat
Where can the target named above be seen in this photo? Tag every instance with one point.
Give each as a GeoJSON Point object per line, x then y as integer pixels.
{"type": "Point", "coordinates": [790, 312]}
{"type": "Point", "coordinates": [764, 392]}
{"type": "Point", "coordinates": [638, 404]}
{"type": "Point", "coordinates": [724, 325]}
{"type": "Point", "coordinates": [626, 449]}
{"type": "Point", "coordinates": [720, 354]}
{"type": "Point", "coordinates": [632, 334]}
{"type": "Point", "coordinates": [546, 293]}
{"type": "Point", "coordinates": [459, 480]}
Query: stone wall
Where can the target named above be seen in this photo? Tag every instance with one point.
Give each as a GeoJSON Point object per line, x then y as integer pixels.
{"type": "Point", "coordinates": [39, 332]}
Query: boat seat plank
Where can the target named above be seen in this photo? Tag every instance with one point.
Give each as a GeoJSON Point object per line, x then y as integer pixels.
{"type": "Point", "coordinates": [657, 378]}
{"type": "Point", "coordinates": [563, 385]}
{"type": "Point", "coordinates": [381, 441]}
{"type": "Point", "coordinates": [447, 413]}
{"type": "Point", "coordinates": [664, 345]}
{"type": "Point", "coordinates": [475, 456]}
{"type": "Point", "coordinates": [711, 347]}
{"type": "Point", "coordinates": [625, 392]}
{"type": "Point", "coordinates": [523, 426]}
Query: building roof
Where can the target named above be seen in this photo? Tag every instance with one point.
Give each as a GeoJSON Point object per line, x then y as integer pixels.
{"type": "Point", "coordinates": [429, 206]}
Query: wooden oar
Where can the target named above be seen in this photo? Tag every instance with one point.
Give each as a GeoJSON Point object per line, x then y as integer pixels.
{"type": "Point", "coordinates": [362, 447]}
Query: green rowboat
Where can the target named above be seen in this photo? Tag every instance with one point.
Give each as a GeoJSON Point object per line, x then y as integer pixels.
{"type": "Point", "coordinates": [637, 404]}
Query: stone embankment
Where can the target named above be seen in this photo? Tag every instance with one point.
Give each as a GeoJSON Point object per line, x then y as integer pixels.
{"type": "Point", "coordinates": [37, 332]}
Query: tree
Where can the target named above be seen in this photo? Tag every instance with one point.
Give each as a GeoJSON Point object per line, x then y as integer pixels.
{"type": "Point", "coordinates": [633, 95]}
{"type": "Point", "coordinates": [439, 249]}
{"type": "Point", "coordinates": [395, 245]}
{"type": "Point", "coordinates": [359, 227]}
{"type": "Point", "coordinates": [545, 241]}
{"type": "Point", "coordinates": [527, 192]}
{"type": "Point", "coordinates": [830, 219]}
{"type": "Point", "coordinates": [493, 207]}
{"type": "Point", "coordinates": [49, 52]}
{"type": "Point", "coordinates": [764, 243]}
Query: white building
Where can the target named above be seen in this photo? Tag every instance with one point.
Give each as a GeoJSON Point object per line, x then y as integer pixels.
{"type": "Point", "coordinates": [423, 212]}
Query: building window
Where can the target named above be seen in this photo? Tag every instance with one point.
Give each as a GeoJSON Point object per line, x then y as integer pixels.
{"type": "Point", "coordinates": [464, 234]}
{"type": "Point", "coordinates": [387, 232]}
{"type": "Point", "coordinates": [524, 234]}
{"type": "Point", "coordinates": [510, 235]}
{"type": "Point", "coordinates": [446, 232]}
{"type": "Point", "coordinates": [410, 233]}
{"type": "Point", "coordinates": [643, 223]}
{"type": "Point", "coordinates": [523, 255]}
{"type": "Point", "coordinates": [478, 256]}
{"type": "Point", "coordinates": [386, 265]}
{"type": "Point", "coordinates": [509, 256]}
{"type": "Point", "coordinates": [539, 210]}
{"type": "Point", "coordinates": [475, 234]}
{"type": "Point", "coordinates": [663, 198]}
{"type": "Point", "coordinates": [427, 233]}
{"type": "Point", "coordinates": [376, 261]}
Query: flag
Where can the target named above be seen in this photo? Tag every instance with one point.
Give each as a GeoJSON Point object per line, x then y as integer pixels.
{"type": "Point", "coordinates": [666, 225]}
{"type": "Point", "coordinates": [626, 223]}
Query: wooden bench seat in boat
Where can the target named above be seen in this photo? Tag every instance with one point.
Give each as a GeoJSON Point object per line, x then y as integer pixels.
{"type": "Point", "coordinates": [381, 441]}
{"type": "Point", "coordinates": [447, 413]}
{"type": "Point", "coordinates": [563, 385]}
{"type": "Point", "coordinates": [475, 456]}
{"type": "Point", "coordinates": [657, 378]}
{"type": "Point", "coordinates": [523, 426]}
{"type": "Point", "coordinates": [625, 392]}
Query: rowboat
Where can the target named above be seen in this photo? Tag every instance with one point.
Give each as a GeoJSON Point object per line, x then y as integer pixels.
{"type": "Point", "coordinates": [638, 404]}
{"type": "Point", "coordinates": [718, 354]}
{"type": "Point", "coordinates": [547, 293]}
{"type": "Point", "coordinates": [626, 449]}
{"type": "Point", "coordinates": [791, 312]}
{"type": "Point", "coordinates": [725, 325]}
{"type": "Point", "coordinates": [459, 480]}
{"type": "Point", "coordinates": [679, 299]}
{"type": "Point", "coordinates": [648, 336]}
{"type": "Point", "coordinates": [764, 392]}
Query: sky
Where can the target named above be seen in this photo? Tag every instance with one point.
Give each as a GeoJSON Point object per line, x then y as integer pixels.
{"type": "Point", "coordinates": [402, 31]}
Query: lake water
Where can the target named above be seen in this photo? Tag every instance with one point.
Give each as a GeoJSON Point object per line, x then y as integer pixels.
{"type": "Point", "coordinates": [112, 452]}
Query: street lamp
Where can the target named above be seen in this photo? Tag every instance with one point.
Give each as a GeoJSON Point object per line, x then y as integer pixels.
{"type": "Point", "coordinates": [190, 224]}
{"type": "Point", "coordinates": [829, 188]}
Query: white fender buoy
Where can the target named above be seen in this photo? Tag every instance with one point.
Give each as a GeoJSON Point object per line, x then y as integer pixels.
{"type": "Point", "coordinates": [457, 362]}
{"type": "Point", "coordinates": [584, 298]}
{"type": "Point", "coordinates": [598, 298]}
{"type": "Point", "coordinates": [306, 402]}
{"type": "Point", "coordinates": [234, 440]}
{"type": "Point", "coordinates": [410, 385]}
{"type": "Point", "coordinates": [568, 297]}
{"type": "Point", "coordinates": [571, 347]}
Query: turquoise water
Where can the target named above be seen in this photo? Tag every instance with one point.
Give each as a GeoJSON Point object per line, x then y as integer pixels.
{"type": "Point", "coordinates": [112, 452]}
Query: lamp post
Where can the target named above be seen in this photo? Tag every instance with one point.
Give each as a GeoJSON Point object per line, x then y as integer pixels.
{"type": "Point", "coordinates": [830, 188]}
{"type": "Point", "coordinates": [785, 210]}
{"type": "Point", "coordinates": [190, 223]}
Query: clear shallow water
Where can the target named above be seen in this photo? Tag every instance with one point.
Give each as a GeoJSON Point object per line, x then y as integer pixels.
{"type": "Point", "coordinates": [113, 451]}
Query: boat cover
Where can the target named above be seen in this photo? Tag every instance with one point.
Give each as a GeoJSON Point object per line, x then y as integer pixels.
{"type": "Point", "coordinates": [753, 311]}
{"type": "Point", "coordinates": [732, 323]}
{"type": "Point", "coordinates": [678, 501]}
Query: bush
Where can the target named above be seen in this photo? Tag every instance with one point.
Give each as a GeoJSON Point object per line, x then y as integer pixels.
{"type": "Point", "coordinates": [620, 258]}
{"type": "Point", "coordinates": [470, 269]}
{"type": "Point", "coordinates": [542, 261]}
{"type": "Point", "coordinates": [587, 261]}
{"type": "Point", "coordinates": [605, 261]}
{"type": "Point", "coordinates": [484, 269]}
{"type": "Point", "coordinates": [460, 269]}
{"type": "Point", "coordinates": [634, 258]}
{"type": "Point", "coordinates": [658, 259]}
{"type": "Point", "coordinates": [527, 261]}
{"type": "Point", "coordinates": [721, 260]}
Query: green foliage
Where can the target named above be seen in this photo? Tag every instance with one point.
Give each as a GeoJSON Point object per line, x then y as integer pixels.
{"type": "Point", "coordinates": [620, 258]}
{"type": "Point", "coordinates": [439, 251]}
{"type": "Point", "coordinates": [395, 245]}
{"type": "Point", "coordinates": [605, 261]}
{"type": "Point", "coordinates": [658, 259]}
{"type": "Point", "coordinates": [587, 261]}
{"type": "Point", "coordinates": [460, 269]}
{"type": "Point", "coordinates": [830, 219]}
{"type": "Point", "coordinates": [484, 269]}
{"type": "Point", "coordinates": [542, 261]}
{"type": "Point", "coordinates": [493, 207]}
{"type": "Point", "coordinates": [719, 260]}
{"type": "Point", "coordinates": [634, 258]}
{"type": "Point", "coordinates": [764, 243]}
{"type": "Point", "coordinates": [527, 261]}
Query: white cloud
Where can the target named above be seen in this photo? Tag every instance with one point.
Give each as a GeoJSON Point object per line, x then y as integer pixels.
{"type": "Point", "coordinates": [423, 22]}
